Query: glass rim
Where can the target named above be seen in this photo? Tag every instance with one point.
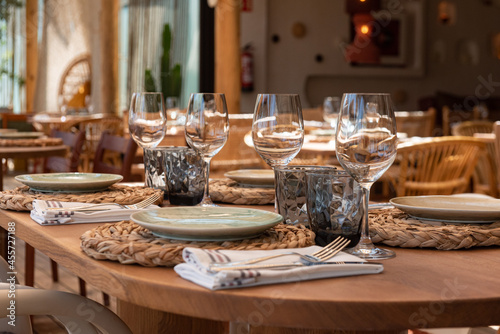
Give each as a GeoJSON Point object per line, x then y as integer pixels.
{"type": "Point", "coordinates": [374, 94]}
{"type": "Point", "coordinates": [278, 94]}
{"type": "Point", "coordinates": [304, 167]}
{"type": "Point", "coordinates": [170, 148]}
{"type": "Point", "coordinates": [333, 172]}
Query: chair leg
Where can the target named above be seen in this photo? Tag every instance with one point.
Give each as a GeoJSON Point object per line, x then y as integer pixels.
{"type": "Point", "coordinates": [29, 265]}
{"type": "Point", "coordinates": [83, 288]}
{"type": "Point", "coordinates": [55, 272]}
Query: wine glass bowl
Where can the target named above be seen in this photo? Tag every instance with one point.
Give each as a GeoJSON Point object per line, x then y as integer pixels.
{"type": "Point", "coordinates": [366, 146]}
{"type": "Point", "coordinates": [206, 130]}
{"type": "Point", "coordinates": [331, 108]}
{"type": "Point", "coordinates": [278, 128]}
{"type": "Point", "coordinates": [147, 119]}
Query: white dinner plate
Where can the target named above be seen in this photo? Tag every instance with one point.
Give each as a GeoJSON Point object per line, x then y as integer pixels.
{"type": "Point", "coordinates": [263, 177]}
{"type": "Point", "coordinates": [206, 223]}
{"type": "Point", "coordinates": [450, 209]}
{"type": "Point", "coordinates": [20, 135]}
{"type": "Point", "coordinates": [69, 182]}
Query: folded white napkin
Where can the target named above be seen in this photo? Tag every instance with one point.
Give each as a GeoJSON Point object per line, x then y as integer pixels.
{"type": "Point", "coordinates": [65, 215]}
{"type": "Point", "coordinates": [197, 262]}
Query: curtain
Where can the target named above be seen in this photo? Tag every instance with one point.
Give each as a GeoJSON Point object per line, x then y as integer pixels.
{"type": "Point", "coordinates": [146, 19]}
{"type": "Point", "coordinates": [13, 61]}
{"type": "Point", "coordinates": [67, 29]}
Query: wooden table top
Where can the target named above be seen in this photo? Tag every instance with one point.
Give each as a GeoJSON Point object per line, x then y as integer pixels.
{"type": "Point", "coordinates": [418, 288]}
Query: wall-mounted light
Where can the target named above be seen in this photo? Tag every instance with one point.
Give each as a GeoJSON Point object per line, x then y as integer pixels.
{"type": "Point", "coordinates": [363, 48]}
{"type": "Point", "coordinates": [447, 12]}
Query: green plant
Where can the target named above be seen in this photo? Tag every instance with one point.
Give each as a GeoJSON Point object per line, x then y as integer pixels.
{"type": "Point", "coordinates": [6, 8]}
{"type": "Point", "coordinates": [171, 77]}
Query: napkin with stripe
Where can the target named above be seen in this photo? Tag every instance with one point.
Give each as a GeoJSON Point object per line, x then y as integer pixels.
{"type": "Point", "coordinates": [197, 263]}
{"type": "Point", "coordinates": [65, 215]}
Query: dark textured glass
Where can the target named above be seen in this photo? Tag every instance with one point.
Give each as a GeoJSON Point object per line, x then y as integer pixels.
{"type": "Point", "coordinates": [291, 192]}
{"type": "Point", "coordinates": [334, 206]}
{"type": "Point", "coordinates": [184, 176]}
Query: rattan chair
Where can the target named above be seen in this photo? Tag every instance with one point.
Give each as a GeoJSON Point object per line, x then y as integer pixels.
{"type": "Point", "coordinates": [484, 181]}
{"type": "Point", "coordinates": [452, 117]}
{"type": "Point", "coordinates": [440, 166]}
{"type": "Point", "coordinates": [416, 123]}
{"type": "Point", "coordinates": [75, 313]}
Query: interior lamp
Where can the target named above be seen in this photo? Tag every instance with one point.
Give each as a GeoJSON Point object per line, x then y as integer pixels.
{"type": "Point", "coordinates": [363, 49]}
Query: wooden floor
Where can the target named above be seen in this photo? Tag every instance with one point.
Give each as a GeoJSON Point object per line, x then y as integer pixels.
{"type": "Point", "coordinates": [43, 279]}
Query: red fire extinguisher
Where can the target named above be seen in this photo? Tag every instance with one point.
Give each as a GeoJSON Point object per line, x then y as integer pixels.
{"type": "Point", "coordinates": [247, 69]}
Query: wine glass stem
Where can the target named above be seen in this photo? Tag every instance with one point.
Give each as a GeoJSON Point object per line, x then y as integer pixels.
{"type": "Point", "coordinates": [206, 194]}
{"type": "Point", "coordinates": [365, 241]}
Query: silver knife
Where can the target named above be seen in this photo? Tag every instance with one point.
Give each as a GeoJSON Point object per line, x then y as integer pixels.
{"type": "Point", "coordinates": [285, 265]}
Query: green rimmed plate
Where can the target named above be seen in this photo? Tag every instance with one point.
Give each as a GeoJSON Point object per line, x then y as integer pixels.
{"type": "Point", "coordinates": [255, 177]}
{"type": "Point", "coordinates": [69, 182]}
{"type": "Point", "coordinates": [206, 223]}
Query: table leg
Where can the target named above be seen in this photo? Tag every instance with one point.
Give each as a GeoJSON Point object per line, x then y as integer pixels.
{"type": "Point", "coordinates": [142, 320]}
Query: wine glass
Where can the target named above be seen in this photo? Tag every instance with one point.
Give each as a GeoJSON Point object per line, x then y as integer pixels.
{"type": "Point", "coordinates": [207, 128]}
{"type": "Point", "coordinates": [366, 147]}
{"type": "Point", "coordinates": [147, 119]}
{"type": "Point", "coordinates": [277, 129]}
{"type": "Point", "coordinates": [331, 108]}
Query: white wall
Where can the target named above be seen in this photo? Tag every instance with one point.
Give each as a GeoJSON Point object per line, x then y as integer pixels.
{"type": "Point", "coordinates": [290, 67]}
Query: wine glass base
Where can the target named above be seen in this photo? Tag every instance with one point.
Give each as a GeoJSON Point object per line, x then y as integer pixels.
{"type": "Point", "coordinates": [374, 253]}
{"type": "Point", "coordinates": [207, 202]}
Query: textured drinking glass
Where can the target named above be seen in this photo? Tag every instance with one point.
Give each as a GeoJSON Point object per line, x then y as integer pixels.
{"type": "Point", "coordinates": [335, 206]}
{"type": "Point", "coordinates": [291, 192]}
{"type": "Point", "coordinates": [207, 128]}
{"type": "Point", "coordinates": [366, 147]}
{"type": "Point", "coordinates": [184, 175]}
{"type": "Point", "coordinates": [147, 119]}
{"type": "Point", "coordinates": [155, 163]}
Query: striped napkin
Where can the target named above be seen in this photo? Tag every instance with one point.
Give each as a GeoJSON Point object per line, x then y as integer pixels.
{"type": "Point", "coordinates": [198, 261]}
{"type": "Point", "coordinates": [65, 215]}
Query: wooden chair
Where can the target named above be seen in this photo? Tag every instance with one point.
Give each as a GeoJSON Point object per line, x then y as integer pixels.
{"type": "Point", "coordinates": [416, 123]}
{"type": "Point", "coordinates": [67, 164]}
{"type": "Point", "coordinates": [441, 166]}
{"type": "Point", "coordinates": [93, 129]}
{"type": "Point", "coordinates": [485, 178]}
{"type": "Point", "coordinates": [108, 149]}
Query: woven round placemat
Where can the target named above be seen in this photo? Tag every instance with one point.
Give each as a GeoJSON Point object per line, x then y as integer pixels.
{"type": "Point", "coordinates": [229, 191]}
{"type": "Point", "coordinates": [30, 142]}
{"type": "Point", "coordinates": [396, 228]}
{"type": "Point", "coordinates": [21, 198]}
{"type": "Point", "coordinates": [129, 243]}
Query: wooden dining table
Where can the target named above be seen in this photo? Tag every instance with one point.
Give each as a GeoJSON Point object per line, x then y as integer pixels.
{"type": "Point", "coordinates": [419, 288]}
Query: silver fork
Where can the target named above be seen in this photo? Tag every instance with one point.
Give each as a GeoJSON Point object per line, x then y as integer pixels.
{"type": "Point", "coordinates": [321, 255]}
{"type": "Point", "coordinates": [140, 205]}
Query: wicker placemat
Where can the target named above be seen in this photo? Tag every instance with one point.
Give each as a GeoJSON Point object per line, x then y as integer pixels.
{"type": "Point", "coordinates": [128, 243]}
{"type": "Point", "coordinates": [30, 142]}
{"type": "Point", "coordinates": [21, 198]}
{"type": "Point", "coordinates": [229, 191]}
{"type": "Point", "coordinates": [396, 228]}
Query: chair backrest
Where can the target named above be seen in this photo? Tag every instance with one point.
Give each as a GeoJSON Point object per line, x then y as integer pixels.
{"type": "Point", "coordinates": [416, 123]}
{"type": "Point", "coordinates": [236, 154]}
{"type": "Point", "coordinates": [66, 164]}
{"type": "Point", "coordinates": [452, 117]}
{"type": "Point", "coordinates": [440, 166]}
{"type": "Point", "coordinates": [76, 77]}
{"type": "Point", "coordinates": [485, 176]}
{"type": "Point", "coordinates": [115, 155]}
{"type": "Point", "coordinates": [64, 306]}
{"type": "Point", "coordinates": [469, 128]}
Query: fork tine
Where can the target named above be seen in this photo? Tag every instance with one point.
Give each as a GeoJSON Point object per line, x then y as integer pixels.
{"type": "Point", "coordinates": [333, 251]}
{"type": "Point", "coordinates": [330, 245]}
